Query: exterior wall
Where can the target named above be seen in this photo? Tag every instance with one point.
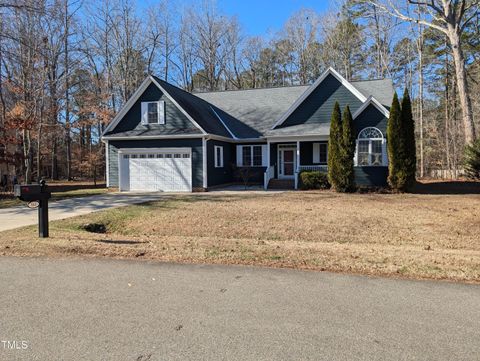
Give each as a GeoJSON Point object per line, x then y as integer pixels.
{"type": "Point", "coordinates": [371, 117]}
{"type": "Point", "coordinates": [223, 175]}
{"type": "Point", "coordinates": [274, 154]}
{"type": "Point", "coordinates": [306, 153]}
{"type": "Point", "coordinates": [371, 176]}
{"type": "Point", "coordinates": [256, 172]}
{"type": "Point", "coordinates": [318, 106]}
{"type": "Point", "coordinates": [194, 144]}
{"type": "Point", "coordinates": [175, 120]}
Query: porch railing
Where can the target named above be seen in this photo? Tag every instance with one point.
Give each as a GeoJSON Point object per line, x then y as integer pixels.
{"type": "Point", "coordinates": [269, 174]}
{"type": "Point", "coordinates": [321, 168]}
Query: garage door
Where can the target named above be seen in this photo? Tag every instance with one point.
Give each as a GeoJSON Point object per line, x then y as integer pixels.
{"type": "Point", "coordinates": [156, 171]}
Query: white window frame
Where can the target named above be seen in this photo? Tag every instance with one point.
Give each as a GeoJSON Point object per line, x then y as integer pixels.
{"type": "Point", "coordinates": [240, 148]}
{"type": "Point", "coordinates": [384, 162]}
{"type": "Point", "coordinates": [316, 153]}
{"type": "Point", "coordinates": [160, 112]}
{"type": "Point", "coordinates": [218, 162]}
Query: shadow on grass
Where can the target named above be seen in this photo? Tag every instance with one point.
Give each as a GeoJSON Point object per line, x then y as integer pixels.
{"type": "Point", "coordinates": [110, 241]}
{"type": "Point", "coordinates": [447, 187]}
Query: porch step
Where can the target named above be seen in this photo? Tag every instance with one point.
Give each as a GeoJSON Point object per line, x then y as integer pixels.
{"type": "Point", "coordinates": [281, 184]}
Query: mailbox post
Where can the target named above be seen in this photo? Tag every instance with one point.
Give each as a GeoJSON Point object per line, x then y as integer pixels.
{"type": "Point", "coordinates": [36, 192]}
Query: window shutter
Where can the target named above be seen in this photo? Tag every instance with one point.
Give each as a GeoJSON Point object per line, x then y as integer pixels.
{"type": "Point", "coordinates": [384, 152]}
{"type": "Point", "coordinates": [239, 155]}
{"type": "Point", "coordinates": [161, 112]}
{"type": "Point", "coordinates": [264, 155]}
{"type": "Point", "coordinates": [316, 153]}
{"type": "Point", "coordinates": [144, 113]}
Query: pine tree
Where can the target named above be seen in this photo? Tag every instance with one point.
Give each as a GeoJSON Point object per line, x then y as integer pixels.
{"type": "Point", "coordinates": [348, 152]}
{"type": "Point", "coordinates": [472, 160]}
{"type": "Point", "coordinates": [335, 148]}
{"type": "Point", "coordinates": [410, 156]}
{"type": "Point", "coordinates": [395, 147]}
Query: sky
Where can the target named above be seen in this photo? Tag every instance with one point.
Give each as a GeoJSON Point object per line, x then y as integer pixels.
{"type": "Point", "coordinates": [260, 17]}
{"type": "Point", "coordinates": [257, 17]}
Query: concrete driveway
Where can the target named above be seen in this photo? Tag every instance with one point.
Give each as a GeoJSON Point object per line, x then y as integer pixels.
{"type": "Point", "coordinates": [125, 310]}
{"type": "Point", "coordinates": [20, 216]}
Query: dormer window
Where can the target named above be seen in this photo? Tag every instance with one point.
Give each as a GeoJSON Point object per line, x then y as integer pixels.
{"type": "Point", "coordinates": [153, 112]}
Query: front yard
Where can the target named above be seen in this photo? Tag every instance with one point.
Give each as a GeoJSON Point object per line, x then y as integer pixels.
{"type": "Point", "coordinates": [414, 236]}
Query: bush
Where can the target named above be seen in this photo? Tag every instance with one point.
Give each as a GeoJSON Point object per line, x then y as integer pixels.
{"type": "Point", "coordinates": [335, 147]}
{"type": "Point", "coordinates": [472, 160]}
{"type": "Point", "coordinates": [347, 183]}
{"type": "Point", "coordinates": [396, 147]}
{"type": "Point", "coordinates": [408, 126]}
{"type": "Point", "coordinates": [314, 180]}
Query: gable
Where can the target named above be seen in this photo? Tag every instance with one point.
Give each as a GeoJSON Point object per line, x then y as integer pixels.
{"type": "Point", "coordinates": [370, 117]}
{"type": "Point", "coordinates": [176, 122]}
{"type": "Point", "coordinates": [317, 108]}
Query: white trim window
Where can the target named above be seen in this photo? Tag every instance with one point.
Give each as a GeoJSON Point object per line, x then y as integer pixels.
{"type": "Point", "coordinates": [251, 155]}
{"type": "Point", "coordinates": [320, 153]}
{"type": "Point", "coordinates": [371, 148]}
{"type": "Point", "coordinates": [153, 112]}
{"type": "Point", "coordinates": [218, 156]}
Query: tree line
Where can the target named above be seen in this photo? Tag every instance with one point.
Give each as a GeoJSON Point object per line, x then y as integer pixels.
{"type": "Point", "coordinates": [67, 66]}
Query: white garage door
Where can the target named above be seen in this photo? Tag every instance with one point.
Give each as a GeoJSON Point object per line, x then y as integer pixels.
{"type": "Point", "coordinates": [168, 170]}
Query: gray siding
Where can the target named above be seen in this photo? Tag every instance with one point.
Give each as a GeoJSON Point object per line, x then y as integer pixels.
{"type": "Point", "coordinates": [371, 117]}
{"type": "Point", "coordinates": [256, 173]}
{"type": "Point", "coordinates": [306, 153]}
{"type": "Point", "coordinates": [175, 119]}
{"type": "Point", "coordinates": [318, 106]}
{"type": "Point", "coordinates": [371, 176]}
{"type": "Point", "coordinates": [194, 144]}
{"type": "Point", "coordinates": [225, 174]}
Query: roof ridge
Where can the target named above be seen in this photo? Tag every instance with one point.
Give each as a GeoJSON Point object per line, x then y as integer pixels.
{"type": "Point", "coordinates": [237, 90]}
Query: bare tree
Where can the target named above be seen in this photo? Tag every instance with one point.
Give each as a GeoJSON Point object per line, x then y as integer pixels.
{"type": "Point", "coordinates": [450, 17]}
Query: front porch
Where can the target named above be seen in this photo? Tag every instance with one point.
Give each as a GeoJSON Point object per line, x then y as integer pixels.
{"type": "Point", "coordinates": [288, 158]}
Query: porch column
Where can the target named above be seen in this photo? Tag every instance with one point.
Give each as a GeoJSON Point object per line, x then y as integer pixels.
{"type": "Point", "coordinates": [298, 156]}
{"type": "Point", "coordinates": [298, 164]}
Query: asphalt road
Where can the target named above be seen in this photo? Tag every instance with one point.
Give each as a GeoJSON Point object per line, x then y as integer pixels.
{"type": "Point", "coordinates": [124, 310]}
{"type": "Point", "coordinates": [19, 216]}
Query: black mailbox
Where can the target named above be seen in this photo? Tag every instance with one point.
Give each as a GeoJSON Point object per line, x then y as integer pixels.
{"type": "Point", "coordinates": [31, 192]}
{"type": "Point", "coordinates": [39, 193]}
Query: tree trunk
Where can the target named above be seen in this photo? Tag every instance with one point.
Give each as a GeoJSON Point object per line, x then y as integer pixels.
{"type": "Point", "coordinates": [447, 112]}
{"type": "Point", "coordinates": [462, 84]}
{"type": "Point", "coordinates": [67, 97]}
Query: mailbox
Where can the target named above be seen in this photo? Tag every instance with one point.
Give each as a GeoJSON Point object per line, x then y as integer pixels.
{"type": "Point", "coordinates": [31, 192]}
{"type": "Point", "coordinates": [36, 192]}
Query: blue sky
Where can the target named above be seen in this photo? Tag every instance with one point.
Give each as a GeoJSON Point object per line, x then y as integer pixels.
{"type": "Point", "coordinates": [257, 17]}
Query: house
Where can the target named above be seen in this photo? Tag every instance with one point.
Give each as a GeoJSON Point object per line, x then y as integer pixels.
{"type": "Point", "coordinates": [167, 139]}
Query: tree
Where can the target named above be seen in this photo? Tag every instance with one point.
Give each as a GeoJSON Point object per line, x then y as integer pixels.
{"type": "Point", "coordinates": [335, 149]}
{"type": "Point", "coordinates": [450, 17]}
{"type": "Point", "coordinates": [347, 151]}
{"type": "Point", "coordinates": [408, 127]}
{"type": "Point", "coordinates": [396, 147]}
{"type": "Point", "coordinates": [472, 160]}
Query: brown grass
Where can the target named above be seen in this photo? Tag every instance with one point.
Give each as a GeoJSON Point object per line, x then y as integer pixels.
{"type": "Point", "coordinates": [10, 201]}
{"type": "Point", "coordinates": [414, 236]}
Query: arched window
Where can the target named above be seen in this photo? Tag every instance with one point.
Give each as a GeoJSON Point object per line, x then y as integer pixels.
{"type": "Point", "coordinates": [371, 148]}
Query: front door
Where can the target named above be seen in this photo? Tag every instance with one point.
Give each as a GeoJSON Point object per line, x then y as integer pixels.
{"type": "Point", "coordinates": [286, 162]}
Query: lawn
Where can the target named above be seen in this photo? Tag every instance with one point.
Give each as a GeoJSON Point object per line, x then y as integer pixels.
{"type": "Point", "coordinates": [402, 235]}
{"type": "Point", "coordinates": [11, 202]}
